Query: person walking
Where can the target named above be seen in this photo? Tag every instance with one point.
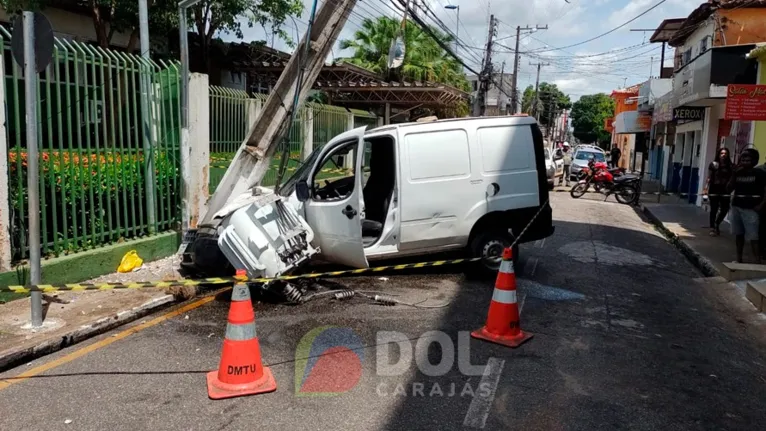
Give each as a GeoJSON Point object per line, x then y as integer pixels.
{"type": "Point", "coordinates": [567, 160]}
{"type": "Point", "coordinates": [616, 154]}
{"type": "Point", "coordinates": [749, 188]}
{"type": "Point", "coordinates": [719, 173]}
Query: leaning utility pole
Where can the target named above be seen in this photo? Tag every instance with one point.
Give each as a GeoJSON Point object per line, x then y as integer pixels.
{"type": "Point", "coordinates": [537, 87]}
{"type": "Point", "coordinates": [253, 159]}
{"type": "Point", "coordinates": [514, 89]}
{"type": "Point", "coordinates": [480, 103]}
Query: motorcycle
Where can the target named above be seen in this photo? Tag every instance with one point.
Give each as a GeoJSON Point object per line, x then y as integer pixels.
{"type": "Point", "coordinates": [607, 181]}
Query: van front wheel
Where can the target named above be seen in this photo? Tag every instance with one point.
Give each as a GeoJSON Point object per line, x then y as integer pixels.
{"type": "Point", "coordinates": [489, 247]}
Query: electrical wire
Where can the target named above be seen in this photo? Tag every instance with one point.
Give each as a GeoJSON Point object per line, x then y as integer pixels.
{"type": "Point", "coordinates": [656, 5]}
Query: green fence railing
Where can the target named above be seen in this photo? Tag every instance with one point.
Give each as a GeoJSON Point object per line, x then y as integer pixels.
{"type": "Point", "coordinates": [91, 146]}
{"type": "Point", "coordinates": [229, 126]}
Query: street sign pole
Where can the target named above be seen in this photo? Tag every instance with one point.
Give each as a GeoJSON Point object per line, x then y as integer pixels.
{"type": "Point", "coordinates": [33, 184]}
{"type": "Point", "coordinates": [147, 126]}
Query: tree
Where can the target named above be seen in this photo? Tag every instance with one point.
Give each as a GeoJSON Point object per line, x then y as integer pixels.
{"type": "Point", "coordinates": [588, 116]}
{"type": "Point", "coordinates": [528, 102]}
{"type": "Point", "coordinates": [112, 16]}
{"type": "Point", "coordinates": [424, 59]}
{"type": "Point", "coordinates": [553, 101]}
{"type": "Point", "coordinates": [210, 17]}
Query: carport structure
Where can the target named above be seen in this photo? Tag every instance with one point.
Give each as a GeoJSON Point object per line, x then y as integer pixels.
{"type": "Point", "coordinates": [345, 84]}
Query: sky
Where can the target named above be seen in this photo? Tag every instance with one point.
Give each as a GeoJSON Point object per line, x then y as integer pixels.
{"type": "Point", "coordinates": [621, 58]}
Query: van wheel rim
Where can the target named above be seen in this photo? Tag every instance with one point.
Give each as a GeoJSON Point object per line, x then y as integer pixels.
{"type": "Point", "coordinates": [493, 250]}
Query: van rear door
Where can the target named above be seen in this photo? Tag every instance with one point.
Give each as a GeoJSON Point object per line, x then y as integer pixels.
{"type": "Point", "coordinates": [333, 211]}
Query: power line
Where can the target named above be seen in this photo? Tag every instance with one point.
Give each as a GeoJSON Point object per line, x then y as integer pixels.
{"type": "Point", "coordinates": [608, 32]}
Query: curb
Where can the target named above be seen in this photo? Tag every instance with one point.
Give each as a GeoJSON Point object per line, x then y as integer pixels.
{"type": "Point", "coordinates": [699, 261]}
{"type": "Point", "coordinates": [15, 356]}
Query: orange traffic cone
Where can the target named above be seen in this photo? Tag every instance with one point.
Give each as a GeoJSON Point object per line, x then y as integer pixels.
{"type": "Point", "coordinates": [503, 325]}
{"type": "Point", "coordinates": [241, 371]}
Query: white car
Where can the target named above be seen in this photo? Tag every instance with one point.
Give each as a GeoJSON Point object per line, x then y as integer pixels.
{"type": "Point", "coordinates": [400, 190]}
{"type": "Point", "coordinates": [554, 166]}
{"type": "Point", "coordinates": [581, 158]}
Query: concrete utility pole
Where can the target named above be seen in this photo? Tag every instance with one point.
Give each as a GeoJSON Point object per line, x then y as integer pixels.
{"type": "Point", "coordinates": [501, 92]}
{"type": "Point", "coordinates": [549, 129]}
{"type": "Point", "coordinates": [480, 103]}
{"type": "Point", "coordinates": [253, 158]}
{"type": "Point", "coordinates": [537, 88]}
{"type": "Point", "coordinates": [514, 88]}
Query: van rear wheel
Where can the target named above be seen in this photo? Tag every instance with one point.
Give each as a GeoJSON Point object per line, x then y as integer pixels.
{"type": "Point", "coordinates": [489, 247]}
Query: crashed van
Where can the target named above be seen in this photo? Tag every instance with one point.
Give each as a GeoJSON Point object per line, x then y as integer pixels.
{"type": "Point", "coordinates": [470, 185]}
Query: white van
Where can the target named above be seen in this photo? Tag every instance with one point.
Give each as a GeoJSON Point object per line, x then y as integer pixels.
{"type": "Point", "coordinates": [409, 189]}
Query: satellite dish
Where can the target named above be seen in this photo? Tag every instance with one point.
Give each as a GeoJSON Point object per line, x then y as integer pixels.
{"type": "Point", "coordinates": [396, 53]}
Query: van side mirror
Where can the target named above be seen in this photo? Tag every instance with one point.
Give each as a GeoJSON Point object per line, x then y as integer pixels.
{"type": "Point", "coordinates": [302, 191]}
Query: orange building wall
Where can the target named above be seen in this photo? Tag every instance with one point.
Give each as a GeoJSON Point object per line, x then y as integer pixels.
{"type": "Point", "coordinates": [624, 142]}
{"type": "Point", "coordinates": [621, 102]}
{"type": "Point", "coordinates": [741, 26]}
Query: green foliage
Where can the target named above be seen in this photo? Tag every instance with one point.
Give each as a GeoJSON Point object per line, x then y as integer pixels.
{"type": "Point", "coordinates": [80, 179]}
{"type": "Point", "coordinates": [588, 116]}
{"type": "Point", "coordinates": [229, 16]}
{"type": "Point", "coordinates": [424, 59]}
{"type": "Point", "coordinates": [116, 15]}
{"type": "Point", "coordinates": [553, 101]}
{"type": "Point", "coordinates": [528, 101]}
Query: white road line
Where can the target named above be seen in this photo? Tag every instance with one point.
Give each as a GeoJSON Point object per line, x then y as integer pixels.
{"type": "Point", "coordinates": [478, 411]}
{"type": "Point", "coordinates": [521, 305]}
{"type": "Point", "coordinates": [534, 266]}
{"type": "Point", "coordinates": [541, 243]}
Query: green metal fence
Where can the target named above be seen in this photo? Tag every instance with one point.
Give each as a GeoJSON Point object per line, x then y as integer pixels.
{"type": "Point", "coordinates": [229, 126]}
{"type": "Point", "coordinates": [90, 141]}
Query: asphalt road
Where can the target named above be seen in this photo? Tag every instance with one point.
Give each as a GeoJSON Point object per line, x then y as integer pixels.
{"type": "Point", "coordinates": [624, 338]}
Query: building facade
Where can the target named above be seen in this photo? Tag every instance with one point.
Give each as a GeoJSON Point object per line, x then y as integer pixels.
{"type": "Point", "coordinates": [498, 100]}
{"type": "Point", "coordinates": [711, 47]}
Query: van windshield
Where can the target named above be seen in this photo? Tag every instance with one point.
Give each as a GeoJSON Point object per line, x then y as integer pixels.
{"type": "Point", "coordinates": [301, 173]}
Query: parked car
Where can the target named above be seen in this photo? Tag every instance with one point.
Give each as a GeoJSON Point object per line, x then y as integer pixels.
{"type": "Point", "coordinates": [581, 157]}
{"type": "Point", "coordinates": [464, 184]}
{"type": "Point", "coordinates": [554, 166]}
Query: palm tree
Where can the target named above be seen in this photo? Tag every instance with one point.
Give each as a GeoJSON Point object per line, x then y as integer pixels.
{"type": "Point", "coordinates": [424, 59]}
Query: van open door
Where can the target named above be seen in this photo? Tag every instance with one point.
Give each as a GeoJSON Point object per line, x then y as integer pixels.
{"type": "Point", "coordinates": [333, 200]}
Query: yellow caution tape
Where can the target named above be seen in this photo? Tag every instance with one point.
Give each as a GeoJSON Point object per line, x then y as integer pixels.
{"type": "Point", "coordinates": [221, 280]}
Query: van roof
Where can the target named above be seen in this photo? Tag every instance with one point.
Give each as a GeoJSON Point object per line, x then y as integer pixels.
{"type": "Point", "coordinates": [503, 119]}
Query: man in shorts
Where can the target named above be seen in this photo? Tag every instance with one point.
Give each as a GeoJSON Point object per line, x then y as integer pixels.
{"type": "Point", "coordinates": [749, 187]}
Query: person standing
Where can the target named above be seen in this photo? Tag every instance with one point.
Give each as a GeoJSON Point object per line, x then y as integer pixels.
{"type": "Point", "coordinates": [567, 160]}
{"type": "Point", "coordinates": [615, 154]}
{"type": "Point", "coordinates": [749, 188]}
{"type": "Point", "coordinates": [719, 173]}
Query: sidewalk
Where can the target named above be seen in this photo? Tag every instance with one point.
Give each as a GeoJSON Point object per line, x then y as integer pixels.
{"type": "Point", "coordinates": [70, 317]}
{"type": "Point", "coordinates": [689, 225]}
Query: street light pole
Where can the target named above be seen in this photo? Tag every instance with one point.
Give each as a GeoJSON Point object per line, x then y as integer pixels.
{"type": "Point", "coordinates": [457, 26]}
